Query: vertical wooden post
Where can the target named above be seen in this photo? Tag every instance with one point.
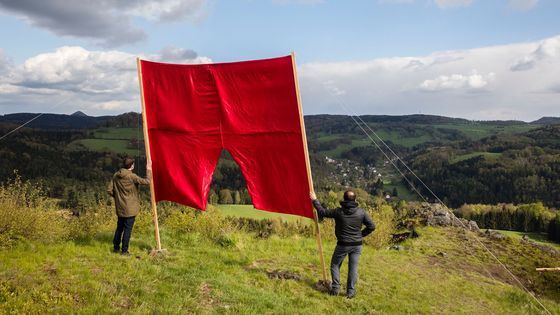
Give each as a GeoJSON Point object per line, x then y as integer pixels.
{"type": "Point", "coordinates": [308, 166]}
{"type": "Point", "coordinates": [148, 156]}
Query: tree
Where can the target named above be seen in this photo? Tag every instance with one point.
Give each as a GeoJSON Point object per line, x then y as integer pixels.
{"type": "Point", "coordinates": [225, 196]}
{"type": "Point", "coordinates": [212, 197]}
{"type": "Point", "coordinates": [236, 197]}
{"type": "Point", "coordinates": [245, 197]}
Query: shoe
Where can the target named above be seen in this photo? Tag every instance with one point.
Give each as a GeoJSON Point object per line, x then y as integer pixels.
{"type": "Point", "coordinates": [350, 296]}
{"type": "Point", "coordinates": [333, 291]}
{"type": "Point", "coordinates": [125, 253]}
{"type": "Point", "coordinates": [116, 250]}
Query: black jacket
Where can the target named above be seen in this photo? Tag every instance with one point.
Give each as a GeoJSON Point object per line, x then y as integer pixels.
{"type": "Point", "coordinates": [348, 222]}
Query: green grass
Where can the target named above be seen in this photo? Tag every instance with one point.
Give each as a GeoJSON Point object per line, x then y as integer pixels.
{"type": "Point", "coordinates": [540, 238]}
{"type": "Point", "coordinates": [248, 211]}
{"type": "Point", "coordinates": [346, 147]}
{"type": "Point", "coordinates": [403, 192]}
{"type": "Point", "coordinates": [119, 133]}
{"type": "Point", "coordinates": [397, 138]}
{"type": "Point", "coordinates": [476, 131]}
{"type": "Point", "coordinates": [199, 276]}
{"type": "Point", "coordinates": [118, 146]}
{"type": "Point", "coordinates": [463, 157]}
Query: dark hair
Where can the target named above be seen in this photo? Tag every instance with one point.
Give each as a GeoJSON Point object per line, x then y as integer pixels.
{"type": "Point", "coordinates": [349, 196]}
{"type": "Point", "coordinates": [127, 162]}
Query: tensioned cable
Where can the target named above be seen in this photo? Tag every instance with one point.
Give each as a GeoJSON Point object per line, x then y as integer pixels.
{"type": "Point", "coordinates": [32, 119]}
{"type": "Point", "coordinates": [426, 186]}
{"type": "Point", "coordinates": [402, 174]}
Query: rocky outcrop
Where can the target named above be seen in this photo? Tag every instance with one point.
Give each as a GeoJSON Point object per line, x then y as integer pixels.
{"type": "Point", "coordinates": [435, 214]}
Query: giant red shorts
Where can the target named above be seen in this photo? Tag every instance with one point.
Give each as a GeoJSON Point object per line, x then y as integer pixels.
{"type": "Point", "coordinates": [248, 108]}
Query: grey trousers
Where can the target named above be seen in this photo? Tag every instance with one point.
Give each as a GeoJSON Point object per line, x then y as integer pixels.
{"type": "Point", "coordinates": [338, 256]}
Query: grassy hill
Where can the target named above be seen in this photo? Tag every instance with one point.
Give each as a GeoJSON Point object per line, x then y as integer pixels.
{"type": "Point", "coordinates": [442, 272]}
{"type": "Point", "coordinates": [52, 262]}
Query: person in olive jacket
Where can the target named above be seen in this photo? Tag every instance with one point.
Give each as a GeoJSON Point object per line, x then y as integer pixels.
{"type": "Point", "coordinates": [348, 230]}
{"type": "Point", "coordinates": [124, 189]}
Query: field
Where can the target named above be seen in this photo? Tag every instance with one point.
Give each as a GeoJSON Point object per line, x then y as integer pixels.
{"type": "Point", "coordinates": [463, 157]}
{"type": "Point", "coordinates": [476, 131]}
{"type": "Point", "coordinates": [540, 238]}
{"type": "Point", "coordinates": [200, 276]}
{"type": "Point", "coordinates": [112, 140]}
{"type": "Point", "coordinates": [119, 133]}
{"type": "Point", "coordinates": [247, 211]}
{"type": "Point", "coordinates": [403, 192]}
{"type": "Point", "coordinates": [104, 145]}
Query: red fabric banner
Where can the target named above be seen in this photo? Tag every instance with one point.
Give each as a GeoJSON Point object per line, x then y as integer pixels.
{"type": "Point", "coordinates": [248, 108]}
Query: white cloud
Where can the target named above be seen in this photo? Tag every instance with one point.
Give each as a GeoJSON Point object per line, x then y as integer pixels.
{"type": "Point", "coordinates": [399, 85]}
{"type": "Point", "coordinates": [441, 83]}
{"type": "Point", "coordinates": [522, 4]}
{"type": "Point", "coordinates": [96, 81]}
{"type": "Point", "coordinates": [458, 81]}
{"type": "Point", "coordinates": [546, 50]}
{"type": "Point", "coordinates": [167, 10]}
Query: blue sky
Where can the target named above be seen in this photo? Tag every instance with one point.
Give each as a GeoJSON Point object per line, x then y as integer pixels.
{"type": "Point", "coordinates": [447, 57]}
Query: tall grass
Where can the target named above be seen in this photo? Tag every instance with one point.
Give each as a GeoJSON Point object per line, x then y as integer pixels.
{"type": "Point", "coordinates": [27, 214]}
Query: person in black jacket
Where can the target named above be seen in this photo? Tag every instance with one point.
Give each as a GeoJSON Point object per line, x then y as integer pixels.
{"type": "Point", "coordinates": [348, 230]}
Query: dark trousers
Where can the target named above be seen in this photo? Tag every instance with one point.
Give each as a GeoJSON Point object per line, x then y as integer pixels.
{"type": "Point", "coordinates": [338, 256]}
{"type": "Point", "coordinates": [123, 232]}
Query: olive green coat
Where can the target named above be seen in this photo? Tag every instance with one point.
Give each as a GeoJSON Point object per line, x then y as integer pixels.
{"type": "Point", "coordinates": [124, 188]}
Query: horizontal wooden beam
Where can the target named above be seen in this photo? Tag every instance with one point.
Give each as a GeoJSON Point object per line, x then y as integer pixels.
{"type": "Point", "coordinates": [549, 269]}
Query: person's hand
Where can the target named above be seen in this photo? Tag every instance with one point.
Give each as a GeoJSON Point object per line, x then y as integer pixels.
{"type": "Point", "coordinates": [149, 165]}
{"type": "Point", "coordinates": [312, 196]}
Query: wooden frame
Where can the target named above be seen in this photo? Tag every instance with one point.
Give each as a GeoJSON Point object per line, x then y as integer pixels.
{"type": "Point", "coordinates": [308, 167]}
{"type": "Point", "coordinates": [148, 157]}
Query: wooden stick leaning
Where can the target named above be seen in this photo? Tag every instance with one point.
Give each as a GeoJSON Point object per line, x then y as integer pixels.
{"type": "Point", "coordinates": [308, 166]}
{"type": "Point", "coordinates": [148, 159]}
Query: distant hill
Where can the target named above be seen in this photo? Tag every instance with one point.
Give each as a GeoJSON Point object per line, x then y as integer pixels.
{"type": "Point", "coordinates": [329, 123]}
{"type": "Point", "coordinates": [79, 113]}
{"type": "Point", "coordinates": [55, 121]}
{"type": "Point", "coordinates": [547, 121]}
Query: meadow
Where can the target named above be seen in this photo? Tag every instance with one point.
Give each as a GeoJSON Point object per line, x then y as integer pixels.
{"type": "Point", "coordinates": [55, 263]}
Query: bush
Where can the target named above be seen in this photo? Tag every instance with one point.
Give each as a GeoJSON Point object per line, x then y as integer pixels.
{"type": "Point", "coordinates": [27, 214]}
{"type": "Point", "coordinates": [384, 219]}
{"type": "Point", "coordinates": [209, 223]}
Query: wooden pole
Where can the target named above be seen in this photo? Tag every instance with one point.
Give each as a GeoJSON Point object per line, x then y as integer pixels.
{"type": "Point", "coordinates": [549, 269]}
{"type": "Point", "coordinates": [148, 157]}
{"type": "Point", "coordinates": [308, 166]}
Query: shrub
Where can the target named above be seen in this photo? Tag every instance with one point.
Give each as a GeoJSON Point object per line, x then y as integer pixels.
{"type": "Point", "coordinates": [210, 223]}
{"type": "Point", "coordinates": [384, 219]}
{"type": "Point", "coordinates": [27, 214]}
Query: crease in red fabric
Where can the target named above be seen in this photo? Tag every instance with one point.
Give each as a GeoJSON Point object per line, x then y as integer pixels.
{"type": "Point", "coordinates": [248, 108]}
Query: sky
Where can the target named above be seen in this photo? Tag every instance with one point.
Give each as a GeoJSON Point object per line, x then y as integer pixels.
{"type": "Point", "coordinates": [474, 59]}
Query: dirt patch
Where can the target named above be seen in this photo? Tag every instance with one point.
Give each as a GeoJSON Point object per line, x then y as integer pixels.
{"type": "Point", "coordinates": [96, 270]}
{"type": "Point", "coordinates": [50, 270]}
{"type": "Point", "coordinates": [258, 264]}
{"type": "Point", "coordinates": [207, 300]}
{"type": "Point", "coordinates": [124, 303]}
{"type": "Point", "coordinates": [280, 274]}
{"type": "Point", "coordinates": [323, 286]}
